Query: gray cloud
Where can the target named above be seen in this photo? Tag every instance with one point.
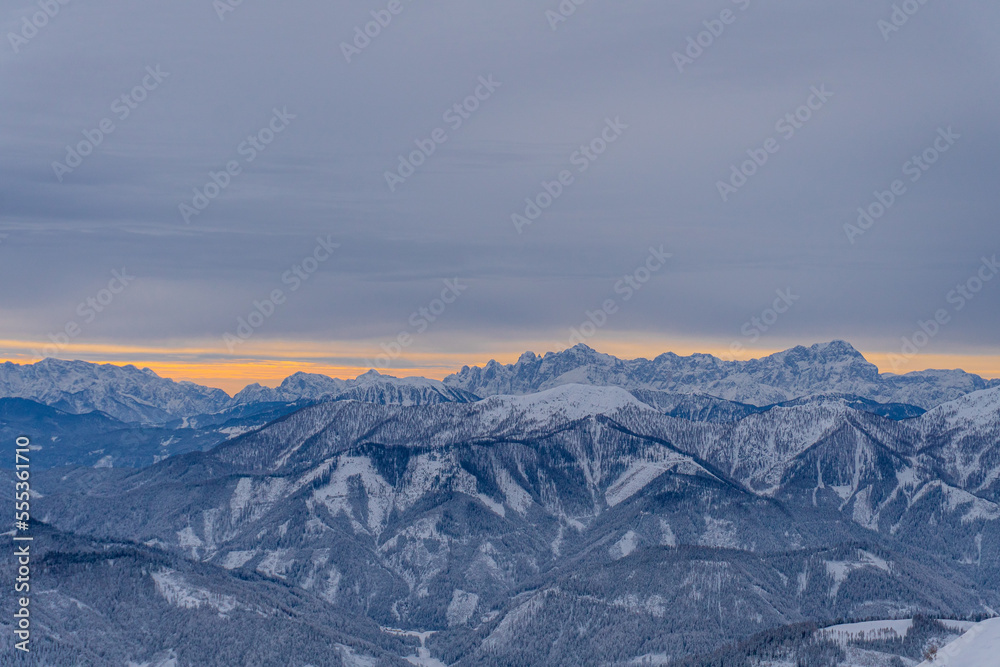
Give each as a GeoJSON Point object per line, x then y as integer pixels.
{"type": "Point", "coordinates": [325, 173]}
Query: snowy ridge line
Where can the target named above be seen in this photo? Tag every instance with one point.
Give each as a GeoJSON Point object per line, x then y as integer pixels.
{"type": "Point", "coordinates": [131, 394]}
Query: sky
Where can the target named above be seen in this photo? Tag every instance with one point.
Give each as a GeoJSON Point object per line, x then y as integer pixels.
{"type": "Point", "coordinates": [232, 192]}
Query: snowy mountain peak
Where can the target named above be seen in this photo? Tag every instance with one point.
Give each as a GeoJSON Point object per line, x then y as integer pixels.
{"type": "Point", "coordinates": [124, 392]}
{"type": "Point", "coordinates": [832, 367]}
{"type": "Point", "coordinates": [371, 386]}
{"type": "Point", "coordinates": [569, 402]}
{"type": "Point", "coordinates": [835, 348]}
{"type": "Point", "coordinates": [836, 354]}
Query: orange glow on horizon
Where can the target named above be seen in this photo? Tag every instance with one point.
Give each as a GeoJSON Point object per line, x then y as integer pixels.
{"type": "Point", "coordinates": [268, 363]}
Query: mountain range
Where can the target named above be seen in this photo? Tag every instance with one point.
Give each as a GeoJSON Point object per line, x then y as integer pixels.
{"type": "Point", "coordinates": [834, 367]}
{"type": "Point", "coordinates": [571, 509]}
{"type": "Point", "coordinates": [131, 394]}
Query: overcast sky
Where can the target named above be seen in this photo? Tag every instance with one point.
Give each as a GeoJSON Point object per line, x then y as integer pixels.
{"type": "Point", "coordinates": [610, 68]}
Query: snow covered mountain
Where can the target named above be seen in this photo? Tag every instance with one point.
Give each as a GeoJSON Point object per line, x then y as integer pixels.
{"type": "Point", "coordinates": [123, 392]}
{"type": "Point", "coordinates": [129, 394]}
{"type": "Point", "coordinates": [117, 603]}
{"type": "Point", "coordinates": [371, 387]}
{"type": "Point", "coordinates": [961, 441]}
{"type": "Point", "coordinates": [826, 368]}
{"type": "Point", "coordinates": [574, 524]}
{"type": "Point", "coordinates": [979, 646]}
{"type": "Point", "coordinates": [700, 386]}
{"type": "Point", "coordinates": [506, 523]}
{"type": "Point", "coordinates": [95, 439]}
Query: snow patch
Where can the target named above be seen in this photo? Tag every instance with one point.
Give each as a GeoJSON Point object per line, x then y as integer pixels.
{"type": "Point", "coordinates": [667, 538]}
{"type": "Point", "coordinates": [350, 658]}
{"type": "Point", "coordinates": [719, 533]}
{"type": "Point", "coordinates": [625, 546]}
{"type": "Point", "coordinates": [839, 571]}
{"type": "Point", "coordinates": [178, 592]}
{"type": "Point", "coordinates": [637, 477]}
{"type": "Point", "coordinates": [275, 563]}
{"type": "Point", "coordinates": [188, 539]}
{"type": "Point", "coordinates": [235, 559]}
{"type": "Point", "coordinates": [461, 608]}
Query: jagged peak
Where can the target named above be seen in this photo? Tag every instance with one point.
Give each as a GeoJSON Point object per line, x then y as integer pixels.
{"type": "Point", "coordinates": [834, 348]}
{"type": "Point", "coordinates": [585, 351]}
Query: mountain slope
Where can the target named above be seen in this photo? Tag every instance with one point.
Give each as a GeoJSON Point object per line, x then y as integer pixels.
{"type": "Point", "coordinates": [963, 437]}
{"type": "Point", "coordinates": [978, 647]}
{"type": "Point", "coordinates": [579, 502]}
{"type": "Point", "coordinates": [114, 603]}
{"type": "Point", "coordinates": [61, 438]}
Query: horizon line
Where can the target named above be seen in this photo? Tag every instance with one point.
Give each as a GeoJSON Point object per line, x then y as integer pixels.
{"type": "Point", "coordinates": [233, 374]}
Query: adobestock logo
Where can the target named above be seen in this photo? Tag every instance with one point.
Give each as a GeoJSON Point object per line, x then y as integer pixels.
{"type": "Point", "coordinates": [87, 310]}
{"type": "Point", "coordinates": [958, 298]}
{"type": "Point", "coordinates": [900, 16]}
{"type": "Point", "coordinates": [265, 308]}
{"type": "Point", "coordinates": [363, 35]}
{"type": "Point", "coordinates": [914, 169]}
{"type": "Point", "coordinates": [420, 320]}
{"type": "Point", "coordinates": [786, 126]}
{"type": "Point", "coordinates": [223, 7]}
{"type": "Point", "coordinates": [455, 116]}
{"type": "Point", "coordinates": [582, 159]}
{"type": "Point", "coordinates": [627, 286]}
{"type": "Point", "coordinates": [562, 12]}
{"type": "Point", "coordinates": [122, 107]}
{"type": "Point", "coordinates": [760, 324]}
{"type": "Point", "coordinates": [714, 28]}
{"type": "Point", "coordinates": [249, 149]}
{"type": "Point", "coordinates": [30, 25]}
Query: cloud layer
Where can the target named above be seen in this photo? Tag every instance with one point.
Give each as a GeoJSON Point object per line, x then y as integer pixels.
{"type": "Point", "coordinates": [477, 111]}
